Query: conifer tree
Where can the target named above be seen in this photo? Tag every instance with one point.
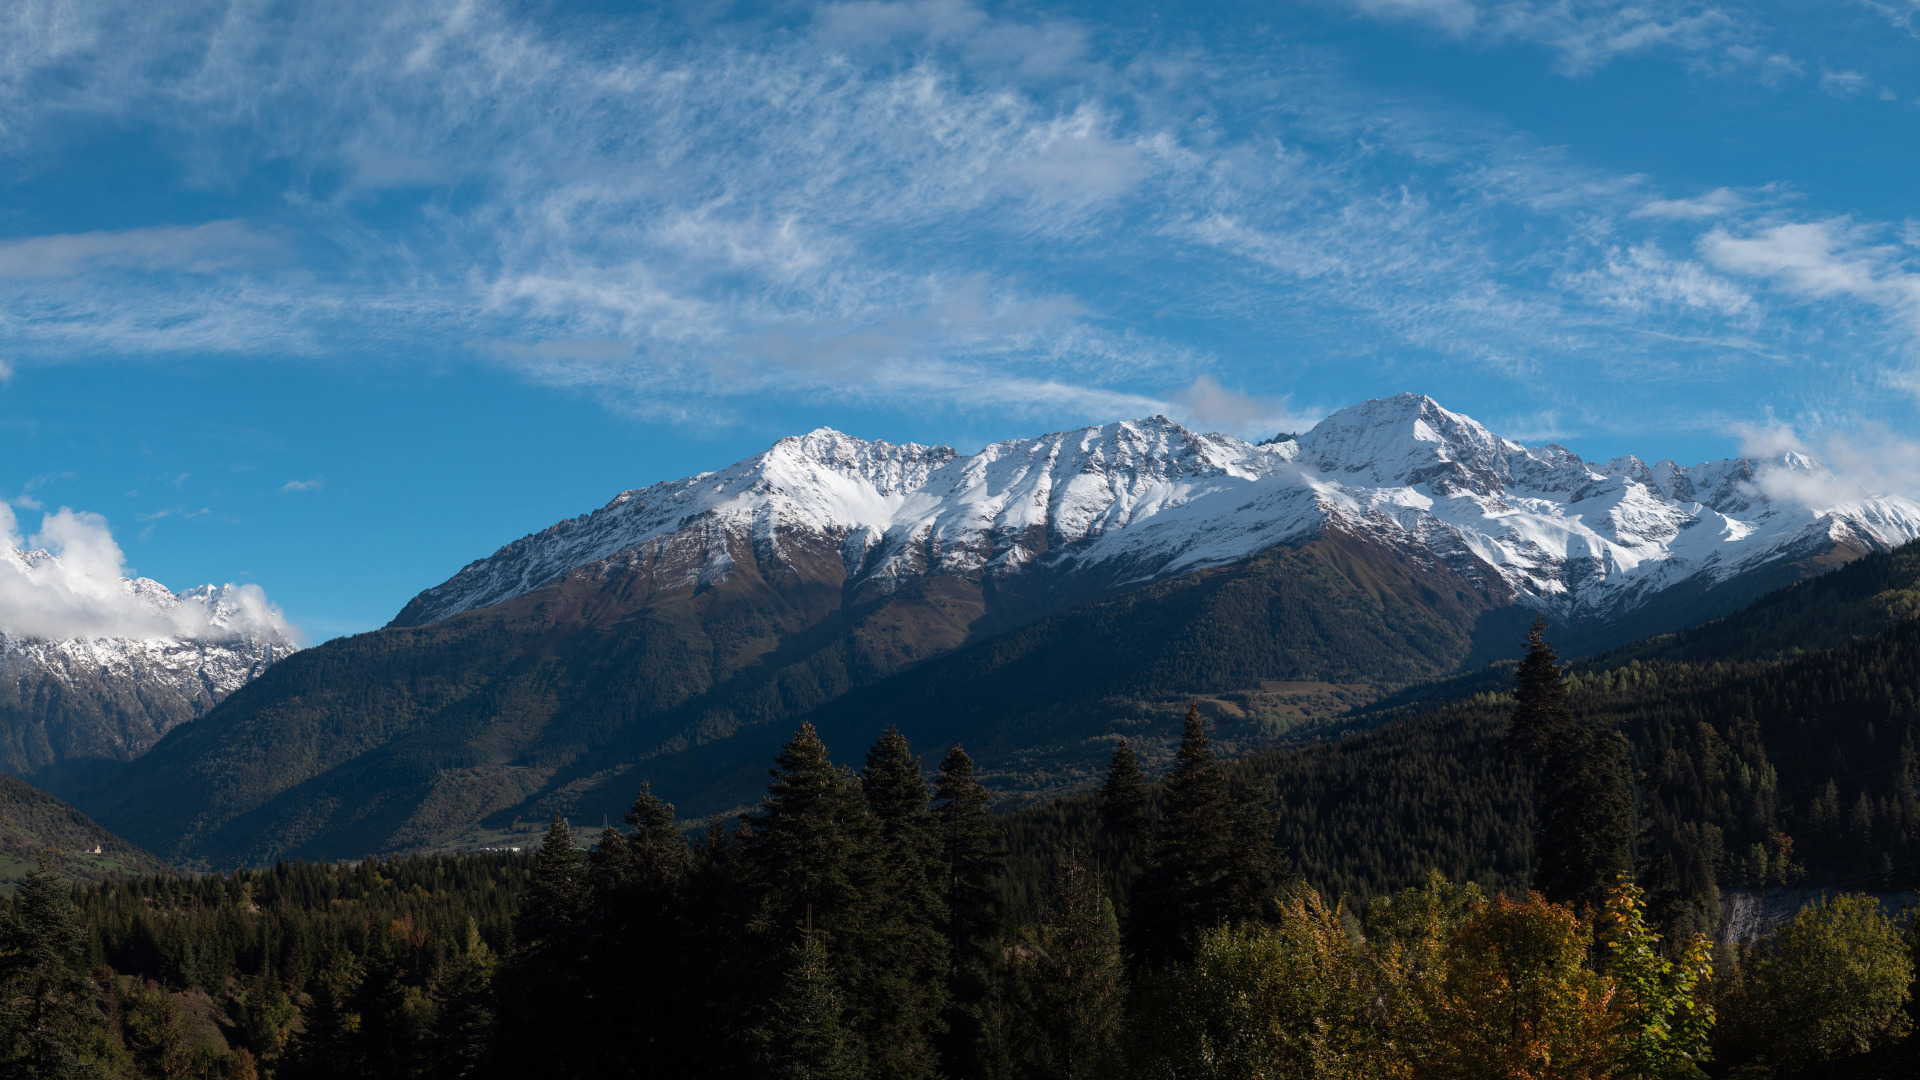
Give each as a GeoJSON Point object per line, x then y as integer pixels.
{"type": "Point", "coordinates": [1540, 716]}
{"type": "Point", "coordinates": [972, 862]}
{"type": "Point", "coordinates": [46, 1002]}
{"type": "Point", "coordinates": [1180, 893]}
{"type": "Point", "coordinates": [556, 900]}
{"type": "Point", "coordinates": [1123, 820]}
{"type": "Point", "coordinates": [1065, 1004]}
{"type": "Point", "coordinates": [464, 1011]}
{"type": "Point", "coordinates": [638, 924]}
{"type": "Point", "coordinates": [1583, 821]}
{"type": "Point", "coordinates": [814, 858]}
{"type": "Point", "coordinates": [547, 980]}
{"type": "Point", "coordinates": [808, 1037]}
{"type": "Point", "coordinates": [908, 947]}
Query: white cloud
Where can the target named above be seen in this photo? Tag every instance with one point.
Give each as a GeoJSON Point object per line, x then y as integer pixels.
{"type": "Point", "coordinates": [923, 203]}
{"type": "Point", "coordinates": [1867, 461]}
{"type": "Point", "coordinates": [1585, 34]}
{"type": "Point", "coordinates": [1843, 84]}
{"type": "Point", "coordinates": [1716, 203]}
{"type": "Point", "coordinates": [1455, 16]}
{"type": "Point", "coordinates": [302, 485]}
{"type": "Point", "coordinates": [200, 249]}
{"type": "Point", "coordinates": [1644, 278]}
{"type": "Point", "coordinates": [1213, 407]}
{"type": "Point", "coordinates": [1821, 260]}
{"type": "Point", "coordinates": [68, 580]}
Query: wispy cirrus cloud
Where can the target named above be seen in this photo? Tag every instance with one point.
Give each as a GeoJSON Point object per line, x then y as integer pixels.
{"type": "Point", "coordinates": [199, 249]}
{"type": "Point", "coordinates": [1584, 35]}
{"type": "Point", "coordinates": [923, 203]}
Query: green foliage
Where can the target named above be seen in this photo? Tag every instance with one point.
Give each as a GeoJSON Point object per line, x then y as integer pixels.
{"type": "Point", "coordinates": [46, 1003]}
{"type": "Point", "coordinates": [1667, 1025]}
{"type": "Point", "coordinates": [1584, 817]}
{"type": "Point", "coordinates": [1123, 818]}
{"type": "Point", "coordinates": [807, 1037]}
{"type": "Point", "coordinates": [1831, 984]}
{"type": "Point", "coordinates": [972, 866]}
{"type": "Point", "coordinates": [1285, 1000]}
{"type": "Point", "coordinates": [1061, 1000]}
{"type": "Point", "coordinates": [1212, 862]}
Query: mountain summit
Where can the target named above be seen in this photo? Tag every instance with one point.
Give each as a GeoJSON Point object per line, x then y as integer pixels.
{"type": "Point", "coordinates": [1035, 601]}
{"type": "Point", "coordinates": [1084, 512]}
{"type": "Point", "coordinates": [96, 667]}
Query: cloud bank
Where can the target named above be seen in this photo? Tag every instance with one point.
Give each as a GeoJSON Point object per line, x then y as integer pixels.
{"type": "Point", "coordinates": [68, 581]}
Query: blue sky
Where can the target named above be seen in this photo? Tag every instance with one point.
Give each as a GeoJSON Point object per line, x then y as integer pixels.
{"type": "Point", "coordinates": [333, 298]}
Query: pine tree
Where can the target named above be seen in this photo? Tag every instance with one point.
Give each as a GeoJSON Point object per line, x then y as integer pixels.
{"type": "Point", "coordinates": [1540, 716]}
{"type": "Point", "coordinates": [546, 980]}
{"type": "Point", "coordinates": [639, 922]}
{"type": "Point", "coordinates": [814, 859]}
{"type": "Point", "coordinates": [1065, 1004]}
{"type": "Point", "coordinates": [1123, 821]}
{"type": "Point", "coordinates": [1180, 894]}
{"type": "Point", "coordinates": [907, 949]}
{"type": "Point", "coordinates": [972, 860]}
{"type": "Point", "coordinates": [464, 1011]}
{"type": "Point", "coordinates": [808, 1037]}
{"type": "Point", "coordinates": [46, 1002]}
{"type": "Point", "coordinates": [1583, 824]}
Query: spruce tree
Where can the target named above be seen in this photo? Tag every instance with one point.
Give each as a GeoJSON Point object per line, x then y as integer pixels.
{"type": "Point", "coordinates": [972, 863]}
{"type": "Point", "coordinates": [639, 923]}
{"type": "Point", "coordinates": [1123, 820]}
{"type": "Point", "coordinates": [1064, 1003]}
{"type": "Point", "coordinates": [908, 954]}
{"type": "Point", "coordinates": [1583, 798]}
{"type": "Point", "coordinates": [814, 860]}
{"type": "Point", "coordinates": [1540, 716]}
{"type": "Point", "coordinates": [46, 1002]}
{"type": "Point", "coordinates": [807, 1036]}
{"type": "Point", "coordinates": [1180, 894]}
{"type": "Point", "coordinates": [546, 980]}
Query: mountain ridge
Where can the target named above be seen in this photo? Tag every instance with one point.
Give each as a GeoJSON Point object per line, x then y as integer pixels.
{"type": "Point", "coordinates": [1112, 506]}
{"type": "Point", "coordinates": [1035, 601]}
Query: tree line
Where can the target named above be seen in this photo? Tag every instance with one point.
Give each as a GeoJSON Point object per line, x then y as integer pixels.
{"type": "Point", "coordinates": [869, 924]}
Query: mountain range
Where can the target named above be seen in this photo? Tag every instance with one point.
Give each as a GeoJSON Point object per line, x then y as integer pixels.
{"type": "Point", "coordinates": [1036, 600]}
{"type": "Point", "coordinates": [74, 709]}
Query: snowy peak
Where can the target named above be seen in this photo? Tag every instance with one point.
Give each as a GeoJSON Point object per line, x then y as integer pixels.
{"type": "Point", "coordinates": [1131, 501]}
{"type": "Point", "coordinates": [1407, 439]}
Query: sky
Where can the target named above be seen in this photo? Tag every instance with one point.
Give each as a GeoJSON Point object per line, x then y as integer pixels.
{"type": "Point", "coordinates": [333, 298]}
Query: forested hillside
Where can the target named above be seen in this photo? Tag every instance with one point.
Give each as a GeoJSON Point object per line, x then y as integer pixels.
{"type": "Point", "coordinates": [563, 700]}
{"type": "Point", "coordinates": [36, 827]}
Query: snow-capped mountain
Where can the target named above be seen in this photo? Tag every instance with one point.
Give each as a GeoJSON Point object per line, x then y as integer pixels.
{"type": "Point", "coordinates": [1130, 502]}
{"type": "Point", "coordinates": [93, 672]}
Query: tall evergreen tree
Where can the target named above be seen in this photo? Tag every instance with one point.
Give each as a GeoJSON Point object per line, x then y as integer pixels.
{"type": "Point", "coordinates": [807, 1036]}
{"type": "Point", "coordinates": [1065, 989]}
{"type": "Point", "coordinates": [46, 1002]}
{"type": "Point", "coordinates": [1180, 893]}
{"type": "Point", "coordinates": [1123, 821]}
{"type": "Point", "coordinates": [814, 860]}
{"type": "Point", "coordinates": [972, 860]}
{"type": "Point", "coordinates": [546, 982]}
{"type": "Point", "coordinates": [909, 952]}
{"type": "Point", "coordinates": [1541, 720]}
{"type": "Point", "coordinates": [639, 924]}
{"type": "Point", "coordinates": [1583, 823]}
